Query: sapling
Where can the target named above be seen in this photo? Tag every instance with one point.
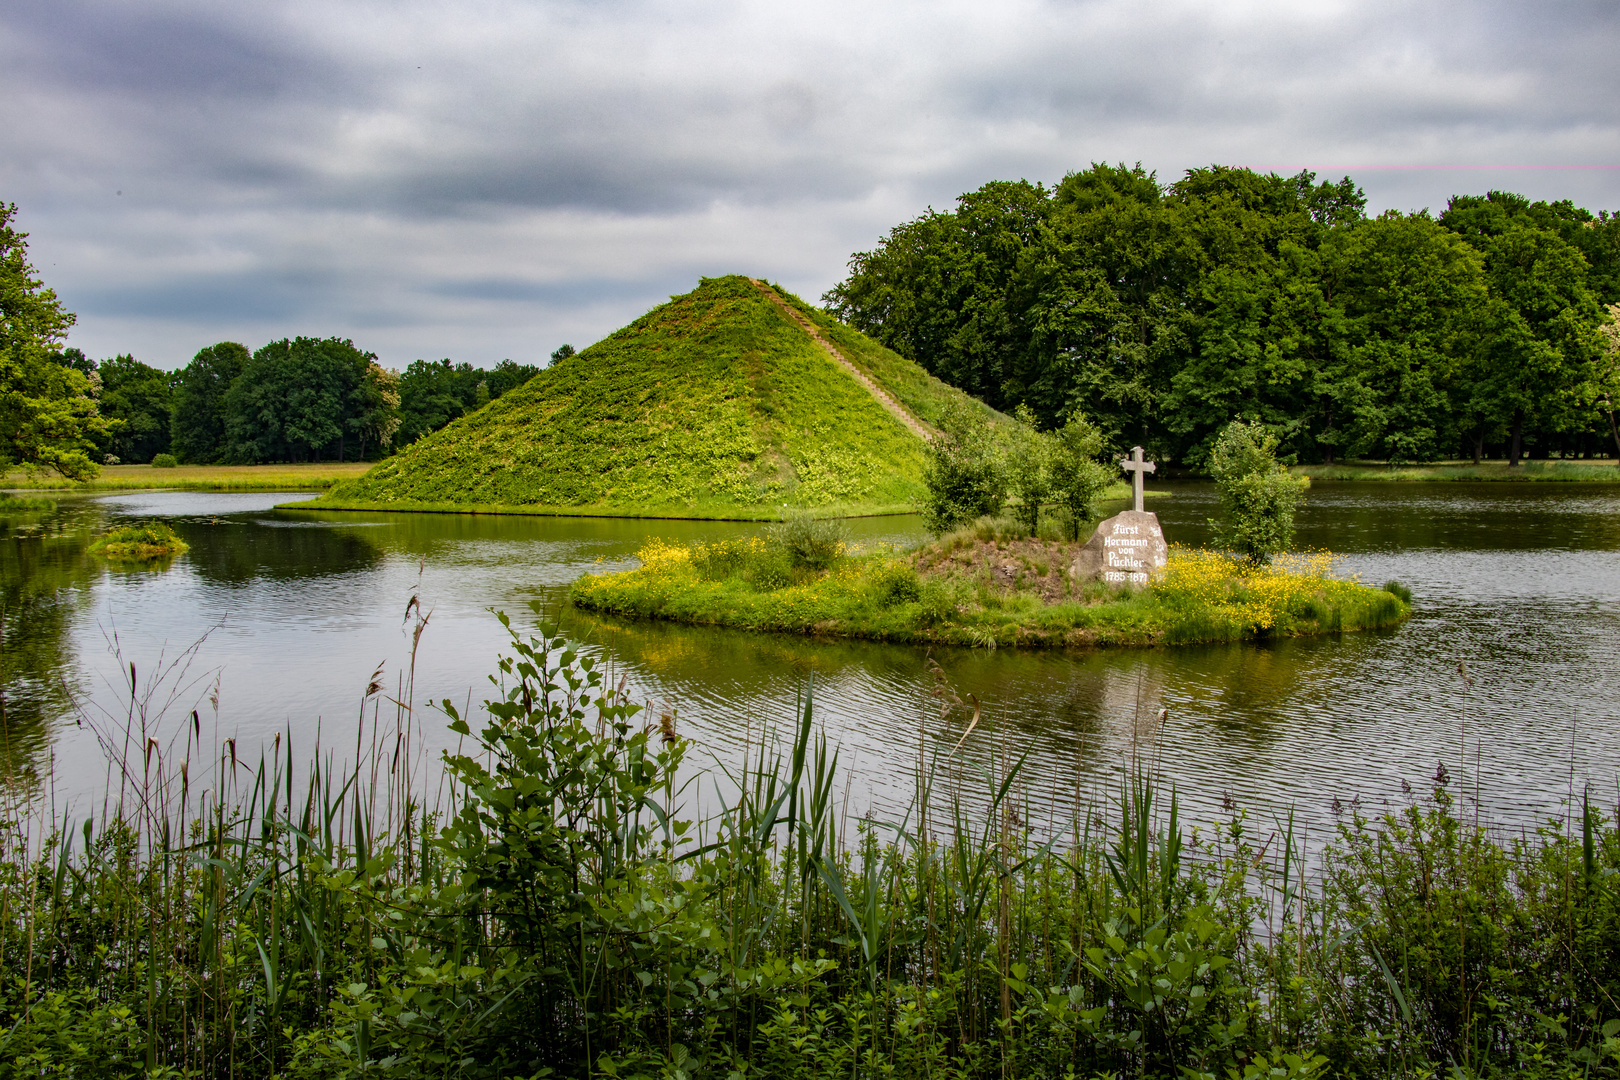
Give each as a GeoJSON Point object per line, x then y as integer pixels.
{"type": "Point", "coordinates": [1258, 495]}
{"type": "Point", "coordinates": [1078, 478]}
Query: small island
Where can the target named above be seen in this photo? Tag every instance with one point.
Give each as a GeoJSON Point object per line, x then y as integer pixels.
{"type": "Point", "coordinates": [979, 586]}
{"type": "Point", "coordinates": [1003, 580]}
{"type": "Point", "coordinates": [152, 540]}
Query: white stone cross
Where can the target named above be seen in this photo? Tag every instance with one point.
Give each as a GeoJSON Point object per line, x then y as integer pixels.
{"type": "Point", "coordinates": [1139, 468]}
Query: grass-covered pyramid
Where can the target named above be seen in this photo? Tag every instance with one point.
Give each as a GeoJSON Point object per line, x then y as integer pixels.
{"type": "Point", "coordinates": [720, 403]}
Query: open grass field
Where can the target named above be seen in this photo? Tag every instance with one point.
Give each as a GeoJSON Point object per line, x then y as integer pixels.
{"type": "Point", "coordinates": [317, 477]}
{"type": "Point", "coordinates": [1591, 472]}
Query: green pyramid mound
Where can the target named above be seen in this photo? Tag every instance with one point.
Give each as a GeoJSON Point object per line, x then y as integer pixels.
{"type": "Point", "coordinates": [726, 401]}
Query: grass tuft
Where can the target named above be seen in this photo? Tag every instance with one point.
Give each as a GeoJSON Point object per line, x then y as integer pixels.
{"type": "Point", "coordinates": [1585, 472]}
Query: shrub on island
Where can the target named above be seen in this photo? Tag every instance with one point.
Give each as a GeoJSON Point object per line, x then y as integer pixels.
{"type": "Point", "coordinates": [152, 540]}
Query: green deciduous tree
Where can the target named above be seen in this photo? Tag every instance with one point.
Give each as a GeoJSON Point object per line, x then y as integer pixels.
{"type": "Point", "coordinates": [1163, 311]}
{"type": "Point", "coordinates": [291, 400]}
{"type": "Point", "coordinates": [1029, 469]}
{"type": "Point", "coordinates": [198, 432]}
{"type": "Point", "coordinates": [1538, 364]}
{"type": "Point", "coordinates": [1406, 300]}
{"type": "Point", "coordinates": [138, 400]}
{"type": "Point", "coordinates": [374, 407]}
{"type": "Point", "coordinates": [48, 417]}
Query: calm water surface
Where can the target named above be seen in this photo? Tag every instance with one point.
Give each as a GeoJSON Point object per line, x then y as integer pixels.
{"type": "Point", "coordinates": [283, 615]}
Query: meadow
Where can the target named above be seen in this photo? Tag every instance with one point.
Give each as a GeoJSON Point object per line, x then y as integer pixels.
{"type": "Point", "coordinates": [309, 477]}
{"type": "Point", "coordinates": [554, 908]}
{"type": "Point", "coordinates": [1553, 470]}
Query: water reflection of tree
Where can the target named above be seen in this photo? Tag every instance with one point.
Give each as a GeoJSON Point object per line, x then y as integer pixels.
{"type": "Point", "coordinates": [43, 574]}
{"type": "Point", "coordinates": [236, 553]}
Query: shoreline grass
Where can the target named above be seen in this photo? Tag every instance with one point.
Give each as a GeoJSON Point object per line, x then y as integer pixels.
{"type": "Point", "coordinates": [311, 477]}
{"type": "Point", "coordinates": [1593, 472]}
{"type": "Point", "coordinates": [981, 587]}
{"type": "Point", "coordinates": [723, 512]}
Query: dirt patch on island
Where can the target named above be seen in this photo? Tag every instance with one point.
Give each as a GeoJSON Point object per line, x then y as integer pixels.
{"type": "Point", "coordinates": [1036, 567]}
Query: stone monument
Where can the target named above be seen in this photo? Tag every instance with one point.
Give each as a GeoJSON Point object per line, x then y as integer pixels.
{"type": "Point", "coordinates": [1127, 548]}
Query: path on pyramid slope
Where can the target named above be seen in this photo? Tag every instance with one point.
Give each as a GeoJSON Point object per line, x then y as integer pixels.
{"type": "Point", "coordinates": [882, 396]}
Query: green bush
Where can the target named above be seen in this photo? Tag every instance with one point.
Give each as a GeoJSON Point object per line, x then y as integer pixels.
{"type": "Point", "coordinates": [1395, 588]}
{"type": "Point", "coordinates": [1078, 477]}
{"type": "Point", "coordinates": [898, 583]}
{"type": "Point", "coordinates": [809, 542]}
{"type": "Point", "coordinates": [164, 461]}
{"type": "Point", "coordinates": [770, 570]}
{"type": "Point", "coordinates": [965, 475]}
{"type": "Point", "coordinates": [1258, 496]}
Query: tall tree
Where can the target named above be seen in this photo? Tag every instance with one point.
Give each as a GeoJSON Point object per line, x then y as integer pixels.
{"type": "Point", "coordinates": [1540, 360]}
{"type": "Point", "coordinates": [138, 400]}
{"type": "Point", "coordinates": [1406, 297]}
{"type": "Point", "coordinates": [48, 417]}
{"type": "Point", "coordinates": [940, 290]}
{"type": "Point", "coordinates": [291, 400]}
{"type": "Point", "coordinates": [198, 425]}
{"type": "Point", "coordinates": [374, 407]}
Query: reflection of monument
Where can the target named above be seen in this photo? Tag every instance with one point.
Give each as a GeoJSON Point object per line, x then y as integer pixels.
{"type": "Point", "coordinates": [1127, 548]}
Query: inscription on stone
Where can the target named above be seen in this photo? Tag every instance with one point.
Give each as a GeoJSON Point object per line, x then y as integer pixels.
{"type": "Point", "coordinates": [1125, 550]}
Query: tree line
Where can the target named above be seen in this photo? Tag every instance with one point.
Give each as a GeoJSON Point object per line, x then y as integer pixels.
{"type": "Point", "coordinates": [1163, 312]}
{"type": "Point", "coordinates": [298, 399]}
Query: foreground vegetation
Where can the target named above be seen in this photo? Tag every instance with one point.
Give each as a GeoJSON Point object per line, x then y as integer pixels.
{"type": "Point", "coordinates": [557, 913]}
{"type": "Point", "coordinates": [988, 584]}
{"type": "Point", "coordinates": [716, 404]}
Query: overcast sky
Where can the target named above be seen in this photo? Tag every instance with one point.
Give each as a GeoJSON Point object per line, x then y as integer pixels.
{"type": "Point", "coordinates": [483, 180]}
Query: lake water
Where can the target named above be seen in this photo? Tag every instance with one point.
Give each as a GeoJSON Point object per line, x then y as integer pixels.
{"type": "Point", "coordinates": [284, 615]}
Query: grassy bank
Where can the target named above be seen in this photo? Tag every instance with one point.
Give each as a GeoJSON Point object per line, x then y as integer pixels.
{"type": "Point", "coordinates": [697, 511]}
{"type": "Point", "coordinates": [558, 912]}
{"type": "Point", "coordinates": [317, 477]}
{"type": "Point", "coordinates": [716, 404]}
{"type": "Point", "coordinates": [1593, 472]}
{"type": "Point", "coordinates": [983, 586]}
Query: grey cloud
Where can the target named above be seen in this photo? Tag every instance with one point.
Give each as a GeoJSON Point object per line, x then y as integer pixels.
{"type": "Point", "coordinates": [160, 51]}
{"type": "Point", "coordinates": [467, 171]}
